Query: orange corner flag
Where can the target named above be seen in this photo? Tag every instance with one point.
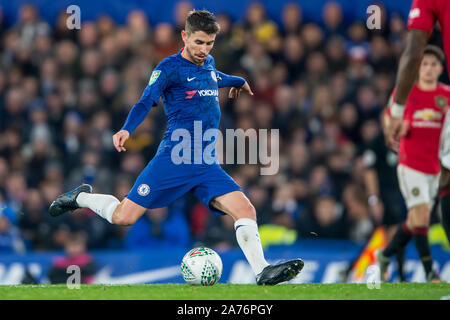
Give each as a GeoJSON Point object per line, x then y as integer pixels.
{"type": "Point", "coordinates": [367, 256]}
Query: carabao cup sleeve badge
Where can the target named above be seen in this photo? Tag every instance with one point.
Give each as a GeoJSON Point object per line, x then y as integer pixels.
{"type": "Point", "coordinates": [154, 76]}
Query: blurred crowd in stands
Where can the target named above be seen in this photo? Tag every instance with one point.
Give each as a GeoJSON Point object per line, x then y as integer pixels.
{"type": "Point", "coordinates": [64, 93]}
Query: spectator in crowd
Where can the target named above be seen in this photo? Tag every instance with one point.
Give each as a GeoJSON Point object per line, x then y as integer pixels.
{"type": "Point", "coordinates": [357, 209]}
{"type": "Point", "coordinates": [284, 206]}
{"type": "Point", "coordinates": [259, 197]}
{"type": "Point", "coordinates": [181, 11]}
{"type": "Point", "coordinates": [291, 18]}
{"type": "Point", "coordinates": [10, 238]}
{"type": "Point", "coordinates": [30, 26]}
{"type": "Point", "coordinates": [219, 233]}
{"type": "Point", "coordinates": [75, 255]}
{"type": "Point", "coordinates": [34, 223]}
{"type": "Point", "coordinates": [325, 221]}
{"type": "Point", "coordinates": [333, 20]}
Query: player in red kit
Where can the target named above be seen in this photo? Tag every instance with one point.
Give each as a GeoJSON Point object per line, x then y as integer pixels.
{"type": "Point", "coordinates": [422, 18]}
{"type": "Point", "coordinates": [418, 160]}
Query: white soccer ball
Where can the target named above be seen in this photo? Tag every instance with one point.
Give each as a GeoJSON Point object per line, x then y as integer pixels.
{"type": "Point", "coordinates": [201, 267]}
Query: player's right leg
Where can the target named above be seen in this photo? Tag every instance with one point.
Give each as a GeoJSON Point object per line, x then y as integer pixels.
{"type": "Point", "coordinates": [237, 205]}
{"type": "Point", "coordinates": [222, 195]}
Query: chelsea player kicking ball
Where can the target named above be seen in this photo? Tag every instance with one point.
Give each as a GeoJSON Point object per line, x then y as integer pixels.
{"type": "Point", "coordinates": [201, 267]}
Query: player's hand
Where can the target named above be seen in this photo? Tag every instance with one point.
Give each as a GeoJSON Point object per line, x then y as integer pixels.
{"type": "Point", "coordinates": [377, 211]}
{"type": "Point", "coordinates": [234, 92]}
{"type": "Point", "coordinates": [396, 128]}
{"type": "Point", "coordinates": [119, 140]}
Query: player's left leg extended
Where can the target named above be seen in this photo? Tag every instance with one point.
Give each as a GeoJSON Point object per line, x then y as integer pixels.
{"type": "Point", "coordinates": [123, 213]}
{"type": "Point", "coordinates": [238, 206]}
{"type": "Point", "coordinates": [158, 185]}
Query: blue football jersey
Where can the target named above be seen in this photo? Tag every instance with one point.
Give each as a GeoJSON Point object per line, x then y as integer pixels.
{"type": "Point", "coordinates": [191, 102]}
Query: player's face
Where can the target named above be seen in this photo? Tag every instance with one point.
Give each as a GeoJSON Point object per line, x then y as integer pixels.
{"type": "Point", "coordinates": [430, 68]}
{"type": "Point", "coordinates": [197, 45]}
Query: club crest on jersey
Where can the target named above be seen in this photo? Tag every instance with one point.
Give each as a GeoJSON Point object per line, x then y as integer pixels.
{"type": "Point", "coordinates": [143, 190]}
{"type": "Point", "coordinates": [414, 13]}
{"type": "Point", "coordinates": [440, 101]}
{"type": "Point", "coordinates": [154, 76]}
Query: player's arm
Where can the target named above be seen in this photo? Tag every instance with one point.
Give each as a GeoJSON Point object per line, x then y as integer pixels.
{"type": "Point", "coordinates": [409, 64]}
{"type": "Point", "coordinates": [420, 24]}
{"type": "Point", "coordinates": [406, 77]}
{"type": "Point", "coordinates": [237, 84]}
{"type": "Point", "coordinates": [371, 183]}
{"type": "Point", "coordinates": [421, 20]}
{"type": "Point", "coordinates": [376, 206]}
{"type": "Point", "coordinates": [386, 122]}
{"type": "Point", "coordinates": [158, 82]}
{"type": "Point", "coordinates": [224, 80]}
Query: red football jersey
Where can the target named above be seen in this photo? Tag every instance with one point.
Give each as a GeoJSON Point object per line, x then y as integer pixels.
{"type": "Point", "coordinates": [425, 114]}
{"type": "Point", "coordinates": [424, 14]}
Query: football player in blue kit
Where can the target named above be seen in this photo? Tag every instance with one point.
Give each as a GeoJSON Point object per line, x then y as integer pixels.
{"type": "Point", "coordinates": [188, 83]}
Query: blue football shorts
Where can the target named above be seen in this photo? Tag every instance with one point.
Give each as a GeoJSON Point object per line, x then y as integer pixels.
{"type": "Point", "coordinates": [162, 182]}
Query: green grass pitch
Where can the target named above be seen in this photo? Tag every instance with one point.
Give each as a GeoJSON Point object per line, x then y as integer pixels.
{"type": "Point", "coordinates": [389, 291]}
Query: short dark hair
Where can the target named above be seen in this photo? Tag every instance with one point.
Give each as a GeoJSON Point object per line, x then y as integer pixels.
{"type": "Point", "coordinates": [435, 51]}
{"type": "Point", "coordinates": [201, 20]}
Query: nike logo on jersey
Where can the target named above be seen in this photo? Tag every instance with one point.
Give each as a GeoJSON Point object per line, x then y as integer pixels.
{"type": "Point", "coordinates": [190, 79]}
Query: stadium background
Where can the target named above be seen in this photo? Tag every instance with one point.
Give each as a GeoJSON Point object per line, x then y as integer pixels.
{"type": "Point", "coordinates": [319, 75]}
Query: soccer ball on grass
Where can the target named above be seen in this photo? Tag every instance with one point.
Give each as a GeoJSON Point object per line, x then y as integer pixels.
{"type": "Point", "coordinates": [201, 267]}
